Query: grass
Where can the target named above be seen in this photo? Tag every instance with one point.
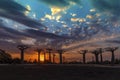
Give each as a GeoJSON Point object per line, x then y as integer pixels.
{"type": "Point", "coordinates": [58, 72]}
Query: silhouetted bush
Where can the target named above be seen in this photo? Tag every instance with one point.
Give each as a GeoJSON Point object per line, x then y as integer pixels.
{"type": "Point", "coordinates": [16, 61]}
{"type": "Point", "coordinates": [117, 61]}
{"type": "Point", "coordinates": [5, 57]}
{"type": "Point", "coordinates": [106, 62]}
{"type": "Point", "coordinates": [35, 61]}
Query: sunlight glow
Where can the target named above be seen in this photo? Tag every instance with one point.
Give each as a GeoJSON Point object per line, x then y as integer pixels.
{"type": "Point", "coordinates": [28, 9]}
{"type": "Point", "coordinates": [42, 58]}
{"type": "Point", "coordinates": [56, 10]}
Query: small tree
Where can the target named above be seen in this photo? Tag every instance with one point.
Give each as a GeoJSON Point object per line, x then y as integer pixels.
{"type": "Point", "coordinates": [54, 58]}
{"type": "Point", "coordinates": [83, 52]}
{"type": "Point", "coordinates": [96, 53]}
{"type": "Point", "coordinates": [112, 50]}
{"type": "Point", "coordinates": [49, 51]}
{"type": "Point", "coordinates": [60, 55]}
{"type": "Point", "coordinates": [22, 48]}
{"type": "Point", "coordinates": [38, 51]}
{"type": "Point", "coordinates": [44, 52]}
{"type": "Point", "coordinates": [100, 50]}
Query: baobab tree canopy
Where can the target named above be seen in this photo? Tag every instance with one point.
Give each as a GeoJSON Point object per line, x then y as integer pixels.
{"type": "Point", "coordinates": [71, 25]}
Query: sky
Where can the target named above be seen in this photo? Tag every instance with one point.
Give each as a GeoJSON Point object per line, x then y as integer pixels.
{"type": "Point", "coordinates": [72, 25]}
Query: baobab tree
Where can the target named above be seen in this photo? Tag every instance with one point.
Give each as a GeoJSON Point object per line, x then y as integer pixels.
{"type": "Point", "coordinates": [112, 50]}
{"type": "Point", "coordinates": [83, 52]}
{"type": "Point", "coordinates": [38, 51]}
{"type": "Point", "coordinates": [54, 58]}
{"type": "Point", "coordinates": [96, 53]}
{"type": "Point", "coordinates": [22, 48]}
{"type": "Point", "coordinates": [60, 55]}
{"type": "Point", "coordinates": [100, 50]}
{"type": "Point", "coordinates": [49, 51]}
{"type": "Point", "coordinates": [44, 52]}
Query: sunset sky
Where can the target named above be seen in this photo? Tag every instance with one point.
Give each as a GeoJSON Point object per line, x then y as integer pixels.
{"type": "Point", "coordinates": [72, 25]}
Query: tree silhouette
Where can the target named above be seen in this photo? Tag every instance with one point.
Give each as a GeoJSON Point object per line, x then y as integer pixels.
{"type": "Point", "coordinates": [5, 57]}
{"type": "Point", "coordinates": [49, 51]}
{"type": "Point", "coordinates": [112, 50]}
{"type": "Point", "coordinates": [38, 51]}
{"type": "Point", "coordinates": [60, 55]}
{"type": "Point", "coordinates": [44, 52]}
{"type": "Point", "coordinates": [96, 53]}
{"type": "Point", "coordinates": [83, 52]}
{"type": "Point", "coordinates": [54, 58]}
{"type": "Point", "coordinates": [100, 50]}
{"type": "Point", "coordinates": [22, 48]}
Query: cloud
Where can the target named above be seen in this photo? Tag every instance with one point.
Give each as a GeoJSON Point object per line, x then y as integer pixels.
{"type": "Point", "coordinates": [10, 5]}
{"type": "Point", "coordinates": [61, 3]}
{"type": "Point", "coordinates": [109, 6]}
{"type": "Point", "coordinates": [113, 41]}
{"type": "Point", "coordinates": [44, 34]}
{"type": "Point", "coordinates": [6, 32]}
{"type": "Point", "coordinates": [78, 19]}
{"type": "Point", "coordinates": [12, 10]}
{"type": "Point", "coordinates": [58, 10]}
{"type": "Point", "coordinates": [10, 33]}
{"type": "Point", "coordinates": [29, 41]}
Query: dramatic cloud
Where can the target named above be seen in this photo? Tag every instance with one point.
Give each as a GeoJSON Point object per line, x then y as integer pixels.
{"type": "Point", "coordinates": [44, 34]}
{"type": "Point", "coordinates": [12, 33]}
{"type": "Point", "coordinates": [113, 41]}
{"type": "Point", "coordinates": [14, 11]}
{"type": "Point", "coordinates": [61, 3]}
{"type": "Point", "coordinates": [65, 22]}
{"type": "Point", "coordinates": [110, 6]}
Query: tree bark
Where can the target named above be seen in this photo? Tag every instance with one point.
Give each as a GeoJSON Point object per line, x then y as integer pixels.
{"type": "Point", "coordinates": [97, 58]}
{"type": "Point", "coordinates": [60, 54]}
{"type": "Point", "coordinates": [49, 56]}
{"type": "Point", "coordinates": [22, 56]}
{"type": "Point", "coordinates": [101, 58]}
{"type": "Point", "coordinates": [84, 58]}
{"type": "Point", "coordinates": [112, 58]}
{"type": "Point", "coordinates": [38, 57]}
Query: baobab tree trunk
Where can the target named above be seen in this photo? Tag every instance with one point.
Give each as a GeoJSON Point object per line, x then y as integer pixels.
{"type": "Point", "coordinates": [97, 58]}
{"type": "Point", "coordinates": [83, 52]}
{"type": "Point", "coordinates": [112, 50]}
{"type": "Point", "coordinates": [22, 56]}
{"type": "Point", "coordinates": [50, 56]}
{"type": "Point", "coordinates": [101, 58]}
{"type": "Point", "coordinates": [38, 57]}
{"type": "Point", "coordinates": [53, 58]}
{"type": "Point", "coordinates": [84, 58]}
{"type": "Point", "coordinates": [60, 54]}
{"type": "Point", "coordinates": [22, 48]}
{"type": "Point", "coordinates": [49, 51]}
{"type": "Point", "coordinates": [38, 51]}
{"type": "Point", "coordinates": [112, 58]}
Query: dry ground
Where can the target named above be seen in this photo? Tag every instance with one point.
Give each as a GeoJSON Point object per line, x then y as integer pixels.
{"type": "Point", "coordinates": [58, 72]}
